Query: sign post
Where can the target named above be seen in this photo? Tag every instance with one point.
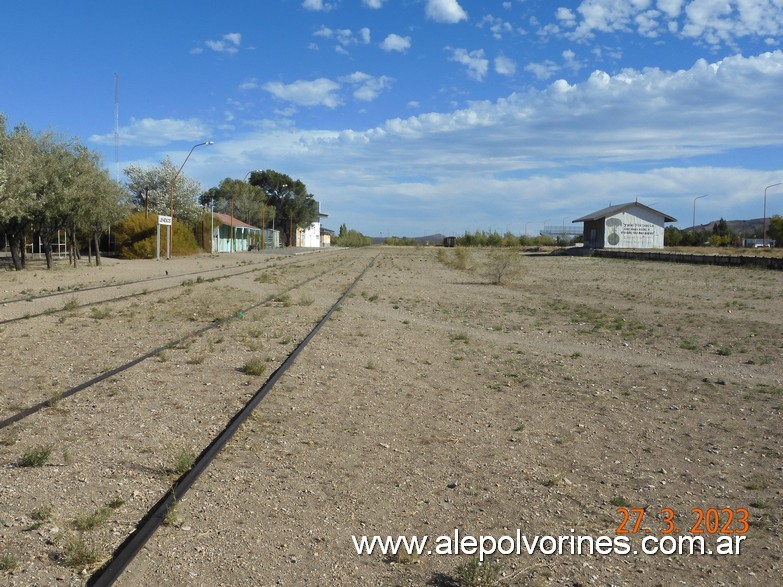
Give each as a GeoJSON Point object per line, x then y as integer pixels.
{"type": "Point", "coordinates": [166, 221]}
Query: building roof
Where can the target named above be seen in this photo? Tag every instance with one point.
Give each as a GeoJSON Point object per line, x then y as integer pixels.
{"type": "Point", "coordinates": [612, 210]}
{"type": "Point", "coordinates": [227, 219]}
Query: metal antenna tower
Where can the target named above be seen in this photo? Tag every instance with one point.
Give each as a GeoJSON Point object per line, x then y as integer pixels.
{"type": "Point", "coordinates": [117, 124]}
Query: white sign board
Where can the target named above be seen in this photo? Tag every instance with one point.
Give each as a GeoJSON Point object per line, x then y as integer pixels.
{"type": "Point", "coordinates": [164, 220]}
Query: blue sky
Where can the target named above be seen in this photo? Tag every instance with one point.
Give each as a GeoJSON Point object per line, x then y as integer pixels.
{"type": "Point", "coordinates": [411, 117]}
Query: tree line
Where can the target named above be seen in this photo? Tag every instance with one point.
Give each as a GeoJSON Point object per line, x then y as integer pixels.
{"type": "Point", "coordinates": [49, 183]}
{"type": "Point", "coordinates": [267, 198]}
{"type": "Point", "coordinates": [721, 235]}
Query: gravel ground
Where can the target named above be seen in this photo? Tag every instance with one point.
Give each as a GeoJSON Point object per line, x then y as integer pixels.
{"type": "Point", "coordinates": [431, 402]}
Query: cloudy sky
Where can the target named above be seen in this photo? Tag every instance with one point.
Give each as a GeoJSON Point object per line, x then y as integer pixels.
{"type": "Point", "coordinates": [411, 117]}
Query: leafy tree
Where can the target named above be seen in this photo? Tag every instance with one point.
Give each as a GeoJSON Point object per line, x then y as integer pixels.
{"type": "Point", "coordinates": [147, 188]}
{"type": "Point", "coordinates": [721, 228]}
{"type": "Point", "coordinates": [672, 236]}
{"type": "Point", "coordinates": [775, 230]}
{"type": "Point", "coordinates": [721, 234]}
{"type": "Point", "coordinates": [294, 206]}
{"type": "Point", "coordinates": [49, 183]}
{"type": "Point", "coordinates": [151, 189]}
{"type": "Point", "coordinates": [104, 202]}
{"type": "Point", "coordinates": [241, 200]}
{"type": "Point", "coordinates": [17, 167]}
{"type": "Point", "coordinates": [52, 204]}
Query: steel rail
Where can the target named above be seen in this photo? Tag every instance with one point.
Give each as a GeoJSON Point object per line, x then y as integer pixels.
{"type": "Point", "coordinates": [127, 551]}
{"type": "Point", "coordinates": [129, 296]}
{"type": "Point", "coordinates": [22, 414]}
{"type": "Point", "coordinates": [108, 285]}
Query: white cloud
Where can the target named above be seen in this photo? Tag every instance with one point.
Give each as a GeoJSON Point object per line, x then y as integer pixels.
{"type": "Point", "coordinates": [536, 149]}
{"type": "Point", "coordinates": [156, 132]}
{"type": "Point", "coordinates": [229, 43]}
{"type": "Point", "coordinates": [634, 115]}
{"type": "Point", "coordinates": [395, 42]}
{"type": "Point", "coordinates": [543, 70]}
{"type": "Point", "coordinates": [505, 66]}
{"type": "Point", "coordinates": [318, 5]}
{"type": "Point", "coordinates": [672, 8]}
{"type": "Point", "coordinates": [373, 3]}
{"type": "Point", "coordinates": [714, 22]}
{"type": "Point", "coordinates": [497, 26]}
{"type": "Point", "coordinates": [344, 37]}
{"type": "Point", "coordinates": [445, 11]}
{"type": "Point", "coordinates": [250, 84]}
{"type": "Point", "coordinates": [367, 87]}
{"type": "Point", "coordinates": [475, 61]}
{"type": "Point", "coordinates": [319, 92]}
{"type": "Point", "coordinates": [566, 17]}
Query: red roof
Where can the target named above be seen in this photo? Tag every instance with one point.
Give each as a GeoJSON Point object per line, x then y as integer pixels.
{"type": "Point", "coordinates": [227, 219]}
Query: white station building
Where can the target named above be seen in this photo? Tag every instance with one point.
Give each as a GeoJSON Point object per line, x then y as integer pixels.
{"type": "Point", "coordinates": [625, 226]}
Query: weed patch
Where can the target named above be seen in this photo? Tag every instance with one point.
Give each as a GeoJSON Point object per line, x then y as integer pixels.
{"type": "Point", "coordinates": [78, 555]}
{"type": "Point", "coordinates": [255, 367]}
{"type": "Point", "coordinates": [8, 562]}
{"type": "Point", "coordinates": [37, 456]}
{"type": "Point", "coordinates": [182, 460]}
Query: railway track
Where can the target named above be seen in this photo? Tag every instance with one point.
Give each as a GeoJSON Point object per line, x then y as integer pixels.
{"type": "Point", "coordinates": [28, 411]}
{"type": "Point", "coordinates": [18, 308]}
{"type": "Point", "coordinates": [156, 516]}
{"type": "Point", "coordinates": [66, 421]}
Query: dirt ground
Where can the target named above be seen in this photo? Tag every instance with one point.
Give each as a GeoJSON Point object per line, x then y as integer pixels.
{"type": "Point", "coordinates": [432, 403]}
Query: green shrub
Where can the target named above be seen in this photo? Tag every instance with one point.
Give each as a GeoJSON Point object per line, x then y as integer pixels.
{"type": "Point", "coordinates": [504, 266]}
{"type": "Point", "coordinates": [183, 460]}
{"type": "Point", "coordinates": [254, 366]}
{"type": "Point", "coordinates": [90, 521]}
{"type": "Point", "coordinates": [351, 238]}
{"type": "Point", "coordinates": [136, 237]}
{"type": "Point", "coordinates": [462, 258]}
{"type": "Point", "coordinates": [37, 456]}
{"type": "Point", "coordinates": [477, 574]}
{"type": "Point", "coordinates": [8, 562]}
{"type": "Point", "coordinates": [78, 555]}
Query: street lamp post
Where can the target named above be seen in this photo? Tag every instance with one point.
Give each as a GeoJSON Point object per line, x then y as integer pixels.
{"type": "Point", "coordinates": [764, 237]}
{"type": "Point", "coordinates": [693, 223]}
{"type": "Point", "coordinates": [171, 189]}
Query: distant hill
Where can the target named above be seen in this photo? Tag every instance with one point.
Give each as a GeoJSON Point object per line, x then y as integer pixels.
{"type": "Point", "coordinates": [735, 226]}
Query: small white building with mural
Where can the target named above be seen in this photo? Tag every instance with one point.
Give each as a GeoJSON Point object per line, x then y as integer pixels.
{"type": "Point", "coordinates": [625, 226]}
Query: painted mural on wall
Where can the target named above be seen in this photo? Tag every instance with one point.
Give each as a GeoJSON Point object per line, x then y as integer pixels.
{"type": "Point", "coordinates": [630, 231]}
